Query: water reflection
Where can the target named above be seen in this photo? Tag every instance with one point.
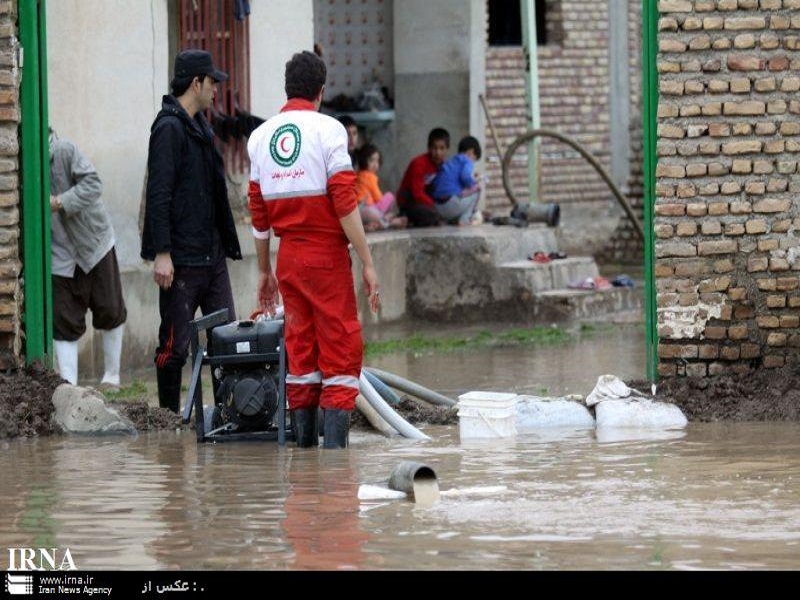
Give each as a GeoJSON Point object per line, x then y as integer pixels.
{"type": "Point", "coordinates": [609, 435]}
{"type": "Point", "coordinates": [321, 522]}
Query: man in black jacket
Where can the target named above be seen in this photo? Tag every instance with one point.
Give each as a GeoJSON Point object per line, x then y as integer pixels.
{"type": "Point", "coordinates": [188, 225]}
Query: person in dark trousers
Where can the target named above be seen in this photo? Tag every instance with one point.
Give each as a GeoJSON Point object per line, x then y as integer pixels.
{"type": "Point", "coordinates": [413, 197]}
{"type": "Point", "coordinates": [188, 225]}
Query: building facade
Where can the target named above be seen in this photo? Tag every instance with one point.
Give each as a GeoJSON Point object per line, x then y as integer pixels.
{"type": "Point", "coordinates": [589, 78]}
{"type": "Point", "coordinates": [727, 249]}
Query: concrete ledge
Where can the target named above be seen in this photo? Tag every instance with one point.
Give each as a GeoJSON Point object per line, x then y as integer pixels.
{"type": "Point", "coordinates": [536, 277]}
{"type": "Point", "coordinates": [566, 304]}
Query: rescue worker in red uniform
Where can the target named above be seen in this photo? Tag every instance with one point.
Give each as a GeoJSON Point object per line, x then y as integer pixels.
{"type": "Point", "coordinates": [302, 186]}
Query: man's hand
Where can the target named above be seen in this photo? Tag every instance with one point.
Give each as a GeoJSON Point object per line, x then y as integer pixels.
{"type": "Point", "coordinates": [371, 288]}
{"type": "Point", "coordinates": [267, 293]}
{"type": "Point", "coordinates": [163, 271]}
{"type": "Point", "coordinates": [55, 203]}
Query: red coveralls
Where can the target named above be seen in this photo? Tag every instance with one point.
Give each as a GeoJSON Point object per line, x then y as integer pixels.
{"type": "Point", "coordinates": [301, 184]}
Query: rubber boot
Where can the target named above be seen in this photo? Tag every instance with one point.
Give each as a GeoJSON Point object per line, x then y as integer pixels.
{"type": "Point", "coordinates": [67, 358]}
{"type": "Point", "coordinates": [305, 427]}
{"type": "Point", "coordinates": [112, 351]}
{"type": "Point", "coordinates": [169, 388]}
{"type": "Point", "coordinates": [337, 428]}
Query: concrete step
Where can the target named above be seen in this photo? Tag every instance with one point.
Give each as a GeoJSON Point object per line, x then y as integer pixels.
{"type": "Point", "coordinates": [535, 278]}
{"type": "Point", "coordinates": [561, 305]}
{"type": "Point", "coordinates": [506, 247]}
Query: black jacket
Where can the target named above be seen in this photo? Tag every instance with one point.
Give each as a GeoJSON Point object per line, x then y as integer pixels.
{"type": "Point", "coordinates": [186, 191]}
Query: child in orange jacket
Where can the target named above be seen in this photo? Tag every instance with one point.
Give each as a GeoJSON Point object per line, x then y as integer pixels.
{"type": "Point", "coordinates": [378, 210]}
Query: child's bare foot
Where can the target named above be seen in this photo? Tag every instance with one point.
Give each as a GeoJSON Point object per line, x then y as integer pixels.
{"type": "Point", "coordinates": [398, 223]}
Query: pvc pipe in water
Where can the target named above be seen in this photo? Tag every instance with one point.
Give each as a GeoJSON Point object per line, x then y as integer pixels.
{"type": "Point", "coordinates": [384, 390]}
{"type": "Point", "coordinates": [412, 388]}
{"type": "Point", "coordinates": [385, 411]}
{"type": "Point", "coordinates": [416, 479]}
{"type": "Point", "coordinates": [377, 421]}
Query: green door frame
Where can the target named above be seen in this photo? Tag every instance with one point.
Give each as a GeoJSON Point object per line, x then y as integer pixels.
{"type": "Point", "coordinates": [650, 132]}
{"type": "Point", "coordinates": [35, 183]}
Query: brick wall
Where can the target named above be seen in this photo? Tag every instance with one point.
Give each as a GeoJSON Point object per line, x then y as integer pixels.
{"type": "Point", "coordinates": [574, 92]}
{"type": "Point", "coordinates": [10, 293]}
{"type": "Point", "coordinates": [728, 254]}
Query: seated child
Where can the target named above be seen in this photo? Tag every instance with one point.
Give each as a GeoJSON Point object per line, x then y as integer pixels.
{"type": "Point", "coordinates": [455, 189]}
{"type": "Point", "coordinates": [378, 210]}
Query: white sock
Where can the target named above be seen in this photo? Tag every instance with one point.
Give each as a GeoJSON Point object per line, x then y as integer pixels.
{"type": "Point", "coordinates": [112, 351]}
{"type": "Point", "coordinates": [67, 357]}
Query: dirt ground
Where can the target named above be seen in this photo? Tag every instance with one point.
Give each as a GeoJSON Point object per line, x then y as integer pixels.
{"type": "Point", "coordinates": [766, 395]}
{"type": "Point", "coordinates": [146, 417]}
{"type": "Point", "coordinates": [415, 413]}
{"type": "Point", "coordinates": [26, 407]}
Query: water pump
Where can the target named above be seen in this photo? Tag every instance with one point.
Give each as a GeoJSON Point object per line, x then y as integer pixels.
{"type": "Point", "coordinates": [248, 368]}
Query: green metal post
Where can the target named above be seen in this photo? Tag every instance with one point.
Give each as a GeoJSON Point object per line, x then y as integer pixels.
{"type": "Point", "coordinates": [45, 153]}
{"type": "Point", "coordinates": [529, 46]}
{"type": "Point", "coordinates": [35, 168]}
{"type": "Point", "coordinates": [650, 125]}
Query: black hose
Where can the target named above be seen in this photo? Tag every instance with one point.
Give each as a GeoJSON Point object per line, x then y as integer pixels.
{"type": "Point", "coordinates": [534, 133]}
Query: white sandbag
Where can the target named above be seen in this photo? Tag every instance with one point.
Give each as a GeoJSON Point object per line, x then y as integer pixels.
{"type": "Point", "coordinates": [534, 413]}
{"type": "Point", "coordinates": [610, 387]}
{"type": "Point", "coordinates": [641, 413]}
{"type": "Point", "coordinates": [480, 490]}
{"type": "Point", "coordinates": [376, 492]}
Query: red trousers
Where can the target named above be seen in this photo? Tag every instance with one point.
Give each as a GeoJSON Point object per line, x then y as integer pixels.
{"type": "Point", "coordinates": [323, 335]}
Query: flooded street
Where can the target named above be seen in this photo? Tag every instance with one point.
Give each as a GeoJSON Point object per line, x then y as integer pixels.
{"type": "Point", "coordinates": [717, 496]}
{"type": "Point", "coordinates": [549, 369]}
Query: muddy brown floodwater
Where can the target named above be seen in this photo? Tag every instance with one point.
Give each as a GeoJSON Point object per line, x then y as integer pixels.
{"type": "Point", "coordinates": [715, 496]}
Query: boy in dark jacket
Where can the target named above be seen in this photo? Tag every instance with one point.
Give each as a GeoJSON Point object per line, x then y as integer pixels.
{"type": "Point", "coordinates": [188, 226]}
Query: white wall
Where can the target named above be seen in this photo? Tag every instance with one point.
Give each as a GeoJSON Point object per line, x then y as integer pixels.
{"type": "Point", "coordinates": [109, 64]}
{"type": "Point", "coordinates": [108, 67]}
{"type": "Point", "coordinates": [439, 60]}
{"type": "Point", "coordinates": [278, 29]}
{"type": "Point", "coordinates": [477, 73]}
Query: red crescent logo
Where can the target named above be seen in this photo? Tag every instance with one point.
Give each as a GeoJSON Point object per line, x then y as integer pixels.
{"type": "Point", "coordinates": [282, 144]}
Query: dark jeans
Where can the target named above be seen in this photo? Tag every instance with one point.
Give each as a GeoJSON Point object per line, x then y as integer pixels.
{"type": "Point", "coordinates": [207, 288]}
{"type": "Point", "coordinates": [420, 215]}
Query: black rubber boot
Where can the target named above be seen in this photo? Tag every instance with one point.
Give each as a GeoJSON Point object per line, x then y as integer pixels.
{"type": "Point", "coordinates": [169, 388]}
{"type": "Point", "coordinates": [305, 427]}
{"type": "Point", "coordinates": [337, 428]}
